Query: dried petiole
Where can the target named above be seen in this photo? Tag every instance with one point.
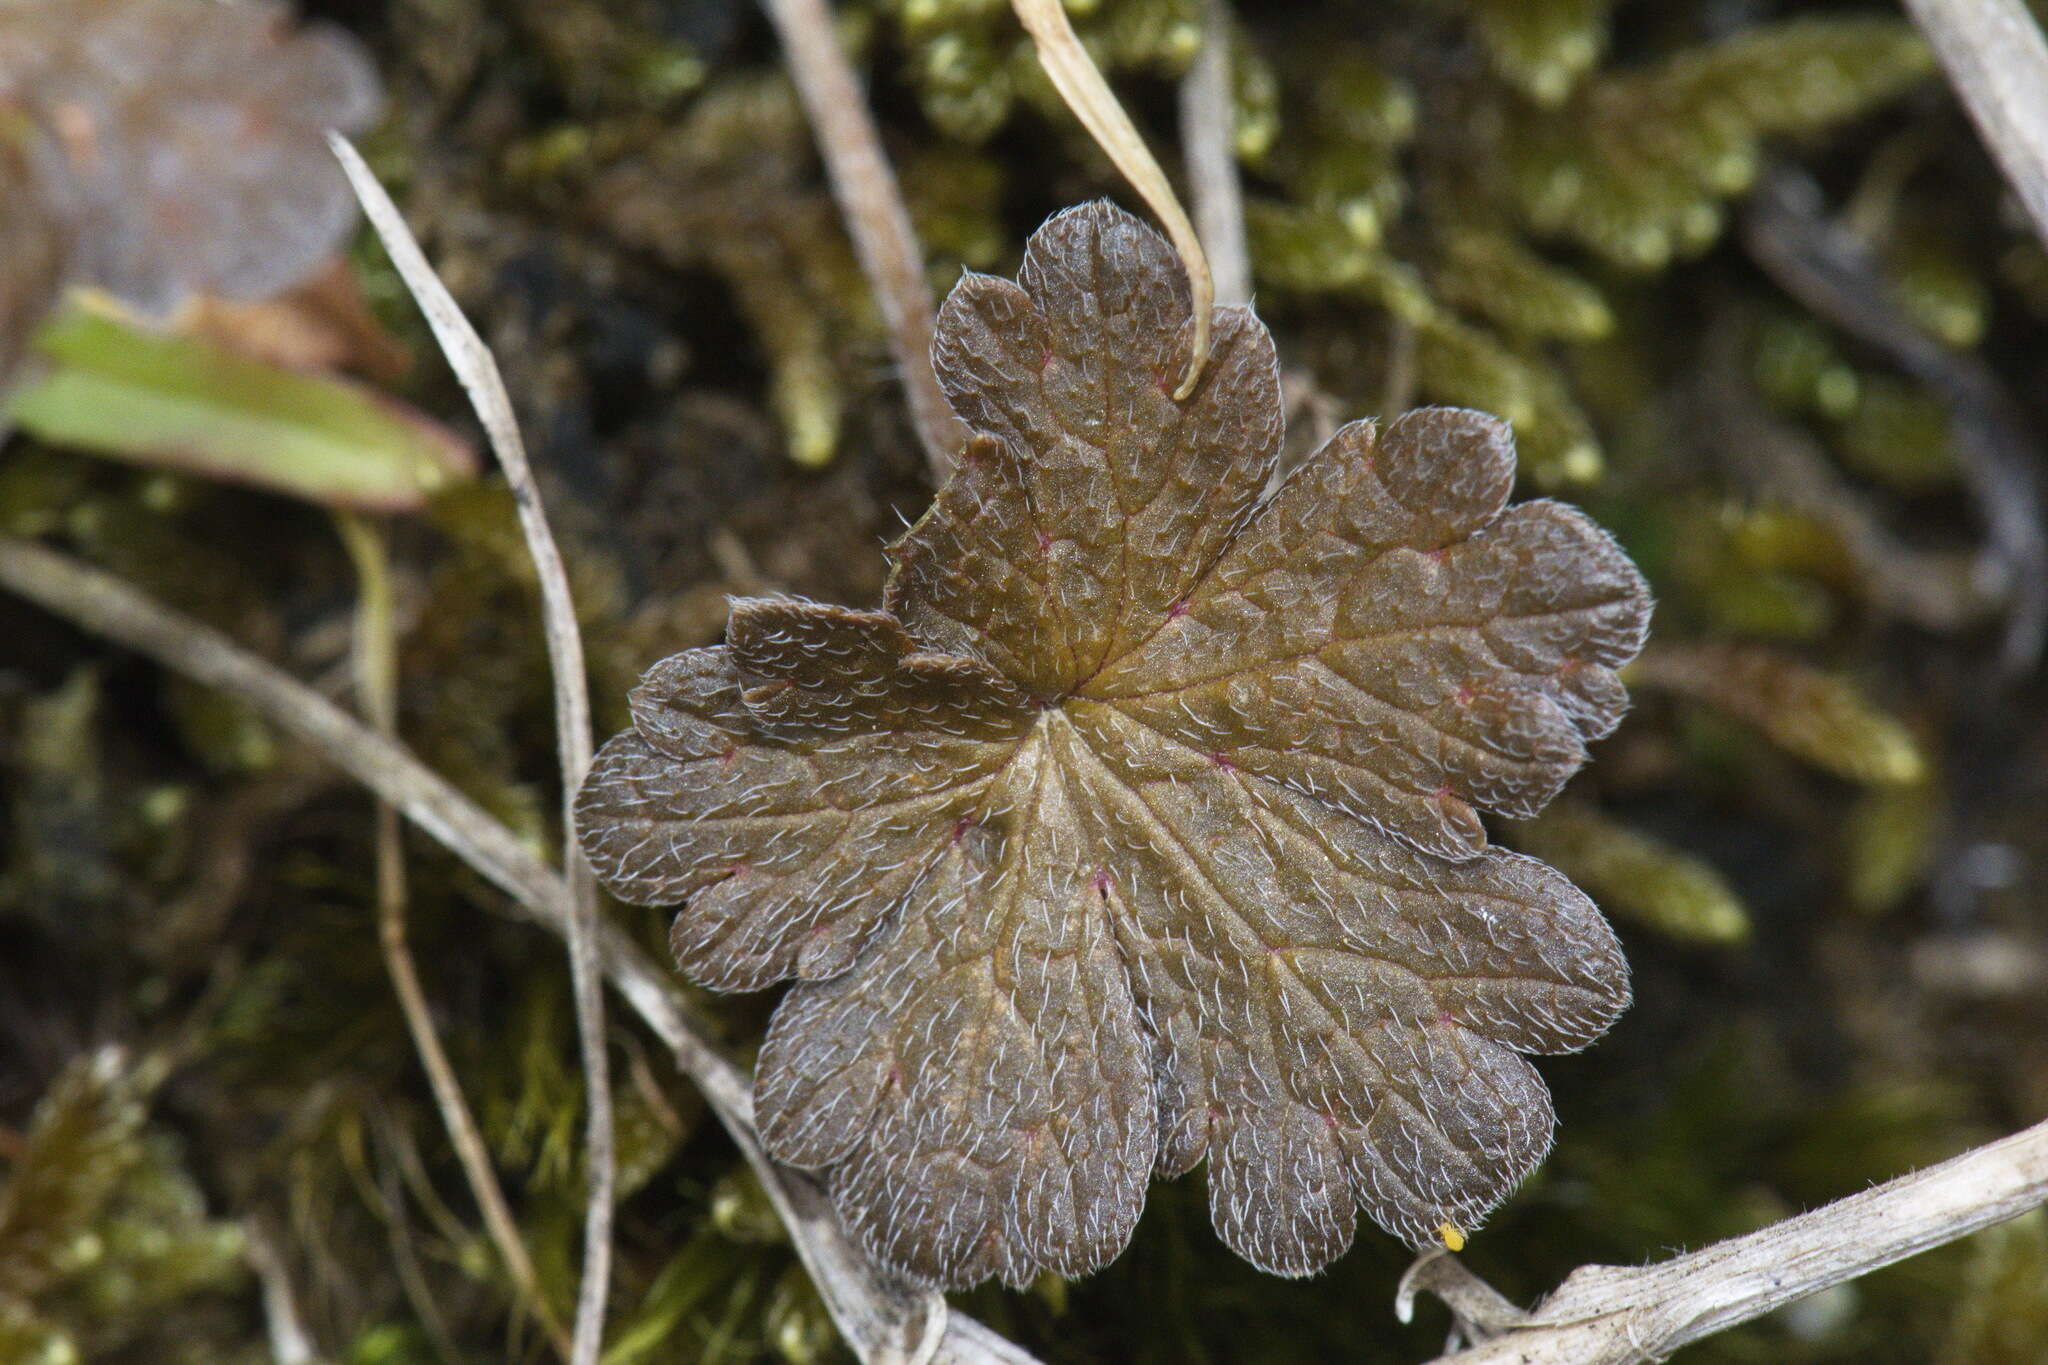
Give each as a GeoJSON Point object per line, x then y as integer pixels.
{"type": "Point", "coordinates": [1080, 83]}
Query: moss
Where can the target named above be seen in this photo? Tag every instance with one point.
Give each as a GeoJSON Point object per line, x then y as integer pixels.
{"type": "Point", "coordinates": [1633, 875]}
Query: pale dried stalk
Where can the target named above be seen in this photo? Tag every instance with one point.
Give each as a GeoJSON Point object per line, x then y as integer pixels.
{"type": "Point", "coordinates": [885, 1319]}
{"type": "Point", "coordinates": [290, 1342]}
{"type": "Point", "coordinates": [1997, 61]}
{"type": "Point", "coordinates": [463, 1133]}
{"type": "Point", "coordinates": [1478, 1310]}
{"type": "Point", "coordinates": [1616, 1315]}
{"type": "Point", "coordinates": [478, 371]}
{"type": "Point", "coordinates": [1208, 119]}
{"type": "Point", "coordinates": [1075, 75]}
{"type": "Point", "coordinates": [375, 651]}
{"type": "Point", "coordinates": [869, 200]}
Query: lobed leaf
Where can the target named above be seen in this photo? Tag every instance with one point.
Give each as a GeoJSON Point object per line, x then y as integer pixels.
{"type": "Point", "coordinates": [1141, 825]}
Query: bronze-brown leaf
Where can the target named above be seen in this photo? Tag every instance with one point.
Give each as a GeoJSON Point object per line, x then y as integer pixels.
{"type": "Point", "coordinates": [1140, 826]}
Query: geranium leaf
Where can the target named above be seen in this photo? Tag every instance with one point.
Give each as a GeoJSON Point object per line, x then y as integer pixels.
{"type": "Point", "coordinates": [1141, 825]}
{"type": "Point", "coordinates": [1098, 499]}
{"type": "Point", "coordinates": [1416, 651]}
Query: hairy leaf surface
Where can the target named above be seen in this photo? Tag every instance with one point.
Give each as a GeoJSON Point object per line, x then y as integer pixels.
{"type": "Point", "coordinates": [1141, 825]}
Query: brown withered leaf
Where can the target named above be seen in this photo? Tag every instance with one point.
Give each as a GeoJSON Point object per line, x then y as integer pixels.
{"type": "Point", "coordinates": [185, 143]}
{"type": "Point", "coordinates": [1140, 825]}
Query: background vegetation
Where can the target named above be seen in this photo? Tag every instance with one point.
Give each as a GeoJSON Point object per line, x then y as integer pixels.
{"type": "Point", "coordinates": [1822, 833]}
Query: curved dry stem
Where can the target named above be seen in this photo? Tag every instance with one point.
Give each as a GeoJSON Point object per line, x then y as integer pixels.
{"type": "Point", "coordinates": [1623, 1315]}
{"type": "Point", "coordinates": [478, 371]}
{"type": "Point", "coordinates": [1208, 115]}
{"type": "Point", "coordinates": [1996, 59]}
{"type": "Point", "coordinates": [284, 1324]}
{"type": "Point", "coordinates": [872, 205]}
{"type": "Point", "coordinates": [1080, 83]}
{"type": "Point", "coordinates": [375, 659]}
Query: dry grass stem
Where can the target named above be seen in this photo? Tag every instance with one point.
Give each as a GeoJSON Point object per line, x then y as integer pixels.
{"type": "Point", "coordinates": [290, 1342]}
{"type": "Point", "coordinates": [865, 185]}
{"type": "Point", "coordinates": [886, 1320]}
{"type": "Point", "coordinates": [1080, 83]}
{"type": "Point", "coordinates": [1208, 117]}
{"type": "Point", "coordinates": [1623, 1315]}
{"type": "Point", "coordinates": [1997, 61]}
{"type": "Point", "coordinates": [478, 371]}
{"type": "Point", "coordinates": [375, 659]}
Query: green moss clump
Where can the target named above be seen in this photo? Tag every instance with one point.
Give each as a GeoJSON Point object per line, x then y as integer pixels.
{"type": "Point", "coordinates": [1631, 874]}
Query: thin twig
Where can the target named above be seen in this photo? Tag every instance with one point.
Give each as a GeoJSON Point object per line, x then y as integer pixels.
{"type": "Point", "coordinates": [869, 200]}
{"type": "Point", "coordinates": [1995, 58]}
{"type": "Point", "coordinates": [1081, 84]}
{"type": "Point", "coordinates": [1397, 394]}
{"type": "Point", "coordinates": [883, 1317]}
{"type": "Point", "coordinates": [1478, 1310]}
{"type": "Point", "coordinates": [376, 680]}
{"type": "Point", "coordinates": [461, 1124]}
{"type": "Point", "coordinates": [1208, 119]}
{"type": "Point", "coordinates": [290, 1342]}
{"type": "Point", "coordinates": [478, 371]}
{"type": "Point", "coordinates": [1623, 1315]}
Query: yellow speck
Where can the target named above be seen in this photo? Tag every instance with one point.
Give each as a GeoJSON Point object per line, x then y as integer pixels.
{"type": "Point", "coordinates": [1453, 1239]}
